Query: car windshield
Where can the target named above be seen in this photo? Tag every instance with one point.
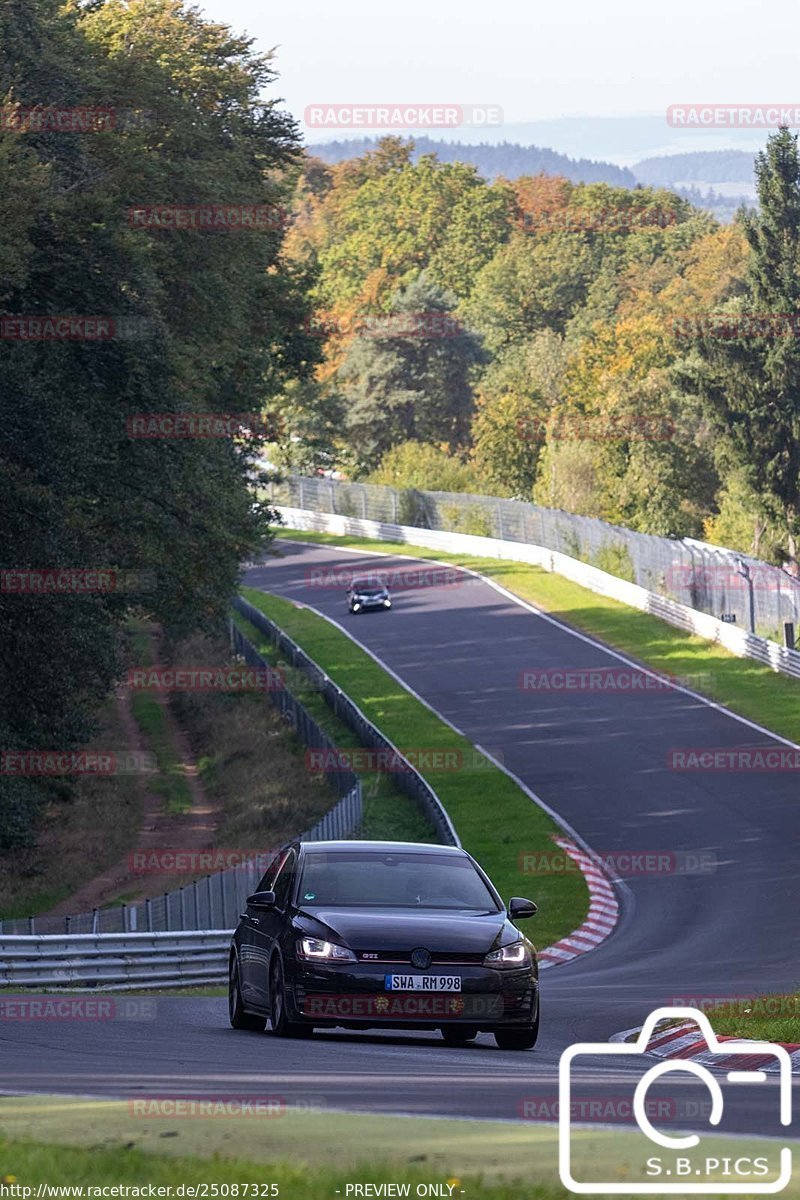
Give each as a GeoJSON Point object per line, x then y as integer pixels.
{"type": "Point", "coordinates": [364, 585]}
{"type": "Point", "coordinates": [394, 880]}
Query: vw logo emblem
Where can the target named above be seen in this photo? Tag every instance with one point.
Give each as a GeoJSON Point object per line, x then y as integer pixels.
{"type": "Point", "coordinates": [420, 958]}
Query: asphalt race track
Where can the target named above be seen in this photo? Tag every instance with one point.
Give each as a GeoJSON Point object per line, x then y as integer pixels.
{"type": "Point", "coordinates": [598, 758]}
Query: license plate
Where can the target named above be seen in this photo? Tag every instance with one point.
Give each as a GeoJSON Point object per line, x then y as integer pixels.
{"type": "Point", "coordinates": [423, 983]}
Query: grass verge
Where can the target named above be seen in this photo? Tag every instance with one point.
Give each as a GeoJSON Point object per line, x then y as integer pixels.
{"type": "Point", "coordinates": [760, 1018]}
{"type": "Point", "coordinates": [97, 1142]}
{"type": "Point", "coordinates": [494, 818]}
{"type": "Point", "coordinates": [746, 687]}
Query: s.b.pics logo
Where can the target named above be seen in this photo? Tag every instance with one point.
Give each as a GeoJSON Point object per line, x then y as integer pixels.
{"type": "Point", "coordinates": [647, 1160]}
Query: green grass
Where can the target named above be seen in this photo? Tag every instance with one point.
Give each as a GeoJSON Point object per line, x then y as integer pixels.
{"type": "Point", "coordinates": [388, 813]}
{"type": "Point", "coordinates": [170, 783]}
{"type": "Point", "coordinates": [774, 1018]}
{"type": "Point", "coordinates": [746, 687]}
{"type": "Point", "coordinates": [310, 1155]}
{"type": "Point", "coordinates": [494, 818]}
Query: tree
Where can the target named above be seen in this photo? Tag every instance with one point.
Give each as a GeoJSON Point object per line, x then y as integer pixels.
{"type": "Point", "coordinates": [408, 377]}
{"type": "Point", "coordinates": [78, 490]}
{"type": "Point", "coordinates": [423, 467]}
{"type": "Point", "coordinates": [514, 399]}
{"type": "Point", "coordinates": [751, 384]}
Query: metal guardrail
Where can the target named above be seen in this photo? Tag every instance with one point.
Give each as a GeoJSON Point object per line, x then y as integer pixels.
{"type": "Point", "coordinates": [734, 638]}
{"type": "Point", "coordinates": [114, 962]}
{"type": "Point", "coordinates": [406, 778]}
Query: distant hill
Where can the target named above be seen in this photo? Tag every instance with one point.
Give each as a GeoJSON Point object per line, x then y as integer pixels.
{"type": "Point", "coordinates": [707, 166]}
{"type": "Point", "coordinates": [505, 158]}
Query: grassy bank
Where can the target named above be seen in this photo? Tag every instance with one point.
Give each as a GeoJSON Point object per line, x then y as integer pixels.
{"type": "Point", "coordinates": [388, 813]}
{"type": "Point", "coordinates": [746, 687]}
{"type": "Point", "coordinates": [98, 1142]}
{"type": "Point", "coordinates": [495, 820]}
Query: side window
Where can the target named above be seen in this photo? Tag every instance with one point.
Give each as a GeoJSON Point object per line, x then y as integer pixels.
{"type": "Point", "coordinates": [283, 884]}
{"type": "Point", "coordinates": [271, 873]}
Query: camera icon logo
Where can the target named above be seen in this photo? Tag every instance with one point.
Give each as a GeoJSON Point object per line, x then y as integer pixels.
{"type": "Point", "coordinates": [684, 1175]}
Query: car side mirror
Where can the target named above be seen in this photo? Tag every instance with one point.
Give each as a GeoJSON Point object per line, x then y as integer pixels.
{"type": "Point", "coordinates": [518, 907]}
{"type": "Point", "coordinates": [261, 900]}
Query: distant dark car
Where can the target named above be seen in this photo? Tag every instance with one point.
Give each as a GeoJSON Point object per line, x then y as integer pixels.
{"type": "Point", "coordinates": [367, 593]}
{"type": "Point", "coordinates": [393, 934]}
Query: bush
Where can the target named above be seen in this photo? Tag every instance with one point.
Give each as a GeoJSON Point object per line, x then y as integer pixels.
{"type": "Point", "coordinates": [472, 518]}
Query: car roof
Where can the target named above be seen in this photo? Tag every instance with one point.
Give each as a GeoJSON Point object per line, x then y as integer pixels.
{"type": "Point", "coordinates": [381, 847]}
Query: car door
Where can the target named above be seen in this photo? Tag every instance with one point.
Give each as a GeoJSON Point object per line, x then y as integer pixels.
{"type": "Point", "coordinates": [251, 954]}
{"type": "Point", "coordinates": [266, 926]}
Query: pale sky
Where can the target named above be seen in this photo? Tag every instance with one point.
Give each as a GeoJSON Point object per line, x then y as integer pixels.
{"type": "Point", "coordinates": [535, 60]}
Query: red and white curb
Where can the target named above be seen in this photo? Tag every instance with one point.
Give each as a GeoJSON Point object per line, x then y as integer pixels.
{"type": "Point", "coordinates": [685, 1041]}
{"type": "Point", "coordinates": [603, 911]}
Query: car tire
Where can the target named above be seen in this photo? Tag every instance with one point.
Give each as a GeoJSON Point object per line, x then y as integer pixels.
{"type": "Point", "coordinates": [240, 1019]}
{"type": "Point", "coordinates": [455, 1036]}
{"type": "Point", "coordinates": [279, 1023]}
{"type": "Point", "coordinates": [518, 1039]}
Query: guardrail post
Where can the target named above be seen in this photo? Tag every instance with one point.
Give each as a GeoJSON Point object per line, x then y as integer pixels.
{"type": "Point", "coordinates": [95, 920]}
{"type": "Point", "coordinates": [167, 925]}
{"type": "Point", "coordinates": [67, 921]}
{"type": "Point", "coordinates": [210, 895]}
{"type": "Point", "coordinates": [222, 897]}
{"type": "Point", "coordinates": [124, 910]}
{"type": "Point", "coordinates": [183, 907]}
{"type": "Point", "coordinates": [196, 905]}
{"type": "Point", "coordinates": [149, 910]}
{"type": "Point", "coordinates": [31, 925]}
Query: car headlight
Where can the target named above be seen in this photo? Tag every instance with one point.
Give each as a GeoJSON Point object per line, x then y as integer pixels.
{"type": "Point", "coordinates": [320, 951]}
{"type": "Point", "coordinates": [513, 955]}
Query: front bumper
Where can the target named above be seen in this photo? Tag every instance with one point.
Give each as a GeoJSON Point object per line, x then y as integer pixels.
{"type": "Point", "coordinates": [377, 602]}
{"type": "Point", "coordinates": [354, 996]}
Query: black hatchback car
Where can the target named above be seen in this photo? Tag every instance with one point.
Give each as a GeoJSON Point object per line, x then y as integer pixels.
{"type": "Point", "coordinates": [366, 594]}
{"type": "Point", "coordinates": [391, 934]}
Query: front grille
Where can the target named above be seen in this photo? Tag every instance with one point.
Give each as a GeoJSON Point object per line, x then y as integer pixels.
{"type": "Point", "coordinates": [383, 957]}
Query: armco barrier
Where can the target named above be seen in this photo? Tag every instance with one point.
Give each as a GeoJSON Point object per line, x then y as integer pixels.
{"type": "Point", "coordinates": [407, 779]}
{"type": "Point", "coordinates": [733, 638]}
{"type": "Point", "coordinates": [115, 962]}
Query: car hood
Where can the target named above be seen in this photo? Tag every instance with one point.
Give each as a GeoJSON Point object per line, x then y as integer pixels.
{"type": "Point", "coordinates": [407, 928]}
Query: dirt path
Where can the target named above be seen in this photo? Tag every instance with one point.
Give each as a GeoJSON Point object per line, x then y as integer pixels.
{"type": "Point", "coordinates": [191, 830]}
